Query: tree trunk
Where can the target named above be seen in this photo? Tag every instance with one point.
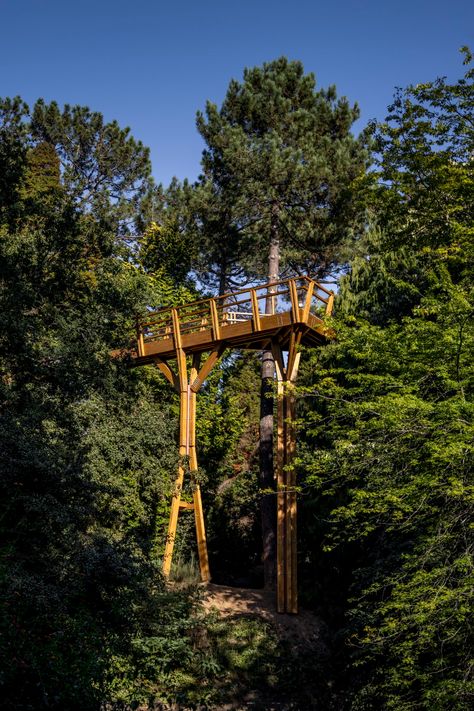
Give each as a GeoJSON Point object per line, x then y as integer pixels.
{"type": "Point", "coordinates": [267, 479]}
{"type": "Point", "coordinates": [223, 275]}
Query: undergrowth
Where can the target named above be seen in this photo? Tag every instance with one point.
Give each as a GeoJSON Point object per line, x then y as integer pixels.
{"type": "Point", "coordinates": [202, 661]}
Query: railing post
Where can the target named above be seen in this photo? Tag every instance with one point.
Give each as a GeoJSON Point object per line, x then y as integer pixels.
{"type": "Point", "coordinates": [307, 303]}
{"type": "Point", "coordinates": [176, 329]}
{"type": "Point", "coordinates": [295, 307]}
{"type": "Point", "coordinates": [330, 304]}
{"type": "Point", "coordinates": [215, 320]}
{"type": "Point", "coordinates": [255, 311]}
{"type": "Point", "coordinates": [140, 341]}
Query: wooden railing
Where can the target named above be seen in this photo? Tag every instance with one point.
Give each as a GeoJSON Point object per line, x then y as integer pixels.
{"type": "Point", "coordinates": [299, 295]}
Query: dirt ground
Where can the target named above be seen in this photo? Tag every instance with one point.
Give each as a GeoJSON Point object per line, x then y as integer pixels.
{"type": "Point", "coordinates": [301, 630]}
{"type": "Point", "coordinates": [304, 634]}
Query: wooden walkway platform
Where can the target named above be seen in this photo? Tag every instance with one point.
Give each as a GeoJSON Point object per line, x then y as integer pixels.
{"type": "Point", "coordinates": [246, 319]}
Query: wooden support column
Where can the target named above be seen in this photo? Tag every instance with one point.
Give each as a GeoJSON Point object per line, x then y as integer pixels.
{"type": "Point", "coordinates": [178, 485]}
{"type": "Point", "coordinates": [287, 586]}
{"type": "Point", "coordinates": [281, 500]}
{"type": "Point", "coordinates": [193, 465]}
{"type": "Point", "coordinates": [188, 388]}
{"type": "Point", "coordinates": [183, 442]}
{"type": "Point", "coordinates": [290, 511]}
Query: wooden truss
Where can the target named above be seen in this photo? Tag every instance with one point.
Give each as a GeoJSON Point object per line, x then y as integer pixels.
{"type": "Point", "coordinates": [208, 327]}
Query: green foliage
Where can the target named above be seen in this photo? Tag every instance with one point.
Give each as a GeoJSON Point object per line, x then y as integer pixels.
{"type": "Point", "coordinates": [87, 453]}
{"type": "Point", "coordinates": [388, 455]}
{"type": "Point", "coordinates": [13, 151]}
{"type": "Point", "coordinates": [220, 660]}
{"type": "Point", "coordinates": [393, 419]}
{"type": "Point", "coordinates": [42, 173]}
{"type": "Point", "coordinates": [103, 168]}
{"type": "Point", "coordinates": [422, 204]}
{"type": "Point", "coordinates": [279, 163]}
{"type": "Point", "coordinates": [166, 246]}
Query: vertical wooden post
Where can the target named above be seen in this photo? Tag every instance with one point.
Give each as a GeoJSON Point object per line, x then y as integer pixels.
{"type": "Point", "coordinates": [291, 530]}
{"type": "Point", "coordinates": [295, 307]}
{"type": "Point", "coordinates": [290, 511]}
{"type": "Point", "coordinates": [307, 302]}
{"type": "Point", "coordinates": [140, 340]}
{"type": "Point", "coordinates": [330, 304]}
{"type": "Point", "coordinates": [287, 585]}
{"type": "Point", "coordinates": [178, 485]}
{"type": "Point", "coordinates": [255, 311]}
{"type": "Point", "coordinates": [216, 329]}
{"type": "Point", "coordinates": [281, 498]}
{"type": "Point", "coordinates": [183, 442]}
{"type": "Point", "coordinates": [198, 511]}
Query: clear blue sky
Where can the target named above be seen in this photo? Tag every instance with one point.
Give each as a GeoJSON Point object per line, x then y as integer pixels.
{"type": "Point", "coordinates": [152, 63]}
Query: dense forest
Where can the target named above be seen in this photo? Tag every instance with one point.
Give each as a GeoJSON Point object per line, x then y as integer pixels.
{"type": "Point", "coordinates": [88, 241]}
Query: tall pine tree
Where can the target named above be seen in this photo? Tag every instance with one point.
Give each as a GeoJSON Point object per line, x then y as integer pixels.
{"type": "Point", "coordinates": [280, 164]}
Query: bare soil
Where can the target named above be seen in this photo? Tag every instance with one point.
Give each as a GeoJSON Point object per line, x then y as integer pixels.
{"type": "Point", "coordinates": [303, 630]}
{"type": "Point", "coordinates": [303, 635]}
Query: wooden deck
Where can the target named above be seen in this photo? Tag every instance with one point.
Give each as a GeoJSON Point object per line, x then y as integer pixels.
{"type": "Point", "coordinates": [248, 319]}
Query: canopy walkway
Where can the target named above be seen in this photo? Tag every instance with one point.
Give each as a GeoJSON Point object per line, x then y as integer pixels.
{"type": "Point", "coordinates": [247, 319]}
{"type": "Point", "coordinates": [279, 316]}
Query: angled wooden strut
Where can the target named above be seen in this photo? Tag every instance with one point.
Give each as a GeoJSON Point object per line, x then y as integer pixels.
{"type": "Point", "coordinates": [287, 589]}
{"type": "Point", "coordinates": [188, 386]}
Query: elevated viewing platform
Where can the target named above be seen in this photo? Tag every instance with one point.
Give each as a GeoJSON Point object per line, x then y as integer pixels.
{"type": "Point", "coordinates": [281, 315]}
{"type": "Point", "coordinates": [248, 319]}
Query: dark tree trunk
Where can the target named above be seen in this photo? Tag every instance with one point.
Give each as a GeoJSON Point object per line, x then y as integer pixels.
{"type": "Point", "coordinates": [223, 275]}
{"type": "Point", "coordinates": [267, 479]}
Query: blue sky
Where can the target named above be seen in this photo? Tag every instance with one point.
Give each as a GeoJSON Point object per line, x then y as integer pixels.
{"type": "Point", "coordinates": [152, 64]}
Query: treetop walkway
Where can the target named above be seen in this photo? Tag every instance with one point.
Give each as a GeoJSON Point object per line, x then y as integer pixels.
{"type": "Point", "coordinates": [246, 319]}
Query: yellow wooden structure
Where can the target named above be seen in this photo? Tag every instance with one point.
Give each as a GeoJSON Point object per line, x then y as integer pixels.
{"type": "Point", "coordinates": [282, 316]}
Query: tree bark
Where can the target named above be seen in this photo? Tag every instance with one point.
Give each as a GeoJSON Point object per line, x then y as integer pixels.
{"type": "Point", "coordinates": [267, 479]}
{"type": "Point", "coordinates": [223, 275]}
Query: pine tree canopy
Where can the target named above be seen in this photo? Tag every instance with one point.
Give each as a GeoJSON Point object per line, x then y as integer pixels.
{"type": "Point", "coordinates": [280, 157]}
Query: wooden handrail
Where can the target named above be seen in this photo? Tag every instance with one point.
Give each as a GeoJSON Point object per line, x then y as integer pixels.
{"type": "Point", "coordinates": [190, 316]}
{"type": "Point", "coordinates": [232, 293]}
